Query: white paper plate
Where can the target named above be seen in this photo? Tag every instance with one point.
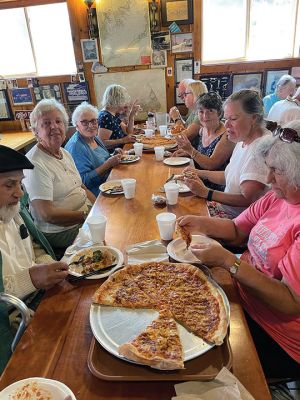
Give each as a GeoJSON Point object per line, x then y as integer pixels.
{"type": "Point", "coordinates": [107, 185]}
{"type": "Point", "coordinates": [134, 159]}
{"type": "Point", "coordinates": [177, 249]}
{"type": "Point", "coordinates": [57, 389]}
{"type": "Point", "coordinates": [183, 188]}
{"type": "Point", "coordinates": [119, 261]}
{"type": "Point", "coordinates": [177, 160]}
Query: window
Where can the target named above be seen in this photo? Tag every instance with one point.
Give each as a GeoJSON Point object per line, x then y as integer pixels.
{"type": "Point", "coordinates": [39, 42]}
{"type": "Point", "coordinates": [245, 30]}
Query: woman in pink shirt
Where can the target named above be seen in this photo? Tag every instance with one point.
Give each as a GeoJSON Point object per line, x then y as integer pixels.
{"type": "Point", "coordinates": [268, 272]}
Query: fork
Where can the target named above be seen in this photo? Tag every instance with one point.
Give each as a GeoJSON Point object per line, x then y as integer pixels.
{"type": "Point", "coordinates": [170, 178]}
{"type": "Point", "coordinates": [73, 278]}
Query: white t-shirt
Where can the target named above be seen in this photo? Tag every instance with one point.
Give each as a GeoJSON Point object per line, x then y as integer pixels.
{"type": "Point", "coordinates": [56, 180]}
{"type": "Point", "coordinates": [284, 111]}
{"type": "Point", "coordinates": [17, 257]}
{"type": "Point", "coordinates": [243, 166]}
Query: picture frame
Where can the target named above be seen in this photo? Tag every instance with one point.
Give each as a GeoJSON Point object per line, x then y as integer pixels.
{"type": "Point", "coordinates": [219, 83]}
{"type": "Point", "coordinates": [184, 69]}
{"type": "Point", "coordinates": [76, 93]}
{"type": "Point", "coordinates": [251, 80]}
{"type": "Point", "coordinates": [89, 48]}
{"type": "Point", "coordinates": [159, 59]}
{"type": "Point", "coordinates": [21, 96]}
{"type": "Point", "coordinates": [271, 79]}
{"type": "Point", "coordinates": [179, 11]}
{"type": "Point", "coordinates": [182, 42]}
{"type": "Point", "coordinates": [5, 109]}
{"type": "Point", "coordinates": [178, 100]}
{"type": "Point", "coordinates": [51, 91]}
{"type": "Point", "coordinates": [161, 41]}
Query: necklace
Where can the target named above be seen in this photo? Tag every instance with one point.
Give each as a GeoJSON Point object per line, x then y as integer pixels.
{"type": "Point", "coordinates": [57, 156]}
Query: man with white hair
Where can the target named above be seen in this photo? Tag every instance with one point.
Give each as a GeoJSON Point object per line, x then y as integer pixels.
{"type": "Point", "coordinates": [285, 87]}
{"type": "Point", "coordinates": [286, 110]}
{"type": "Point", "coordinates": [26, 264]}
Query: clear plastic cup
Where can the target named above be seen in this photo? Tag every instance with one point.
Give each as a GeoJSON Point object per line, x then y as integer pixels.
{"type": "Point", "coordinates": [163, 130]}
{"type": "Point", "coordinates": [159, 152]}
{"type": "Point", "coordinates": [138, 149]}
{"type": "Point", "coordinates": [172, 191]}
{"type": "Point", "coordinates": [166, 225]}
{"type": "Point", "coordinates": [97, 226]}
{"type": "Point", "coordinates": [129, 187]}
{"type": "Point", "coordinates": [149, 132]}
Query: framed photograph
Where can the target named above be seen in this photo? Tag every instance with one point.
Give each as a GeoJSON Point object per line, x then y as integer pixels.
{"type": "Point", "coordinates": [89, 49]}
{"type": "Point", "coordinates": [179, 11]}
{"type": "Point", "coordinates": [76, 93]}
{"type": "Point", "coordinates": [21, 96]}
{"type": "Point", "coordinates": [52, 91]}
{"type": "Point", "coordinates": [161, 41]}
{"type": "Point", "coordinates": [182, 42]}
{"type": "Point", "coordinates": [247, 81]}
{"type": "Point", "coordinates": [5, 110]}
{"type": "Point", "coordinates": [178, 100]}
{"type": "Point", "coordinates": [159, 59]}
{"type": "Point", "coordinates": [184, 69]}
{"type": "Point", "coordinates": [272, 77]}
{"type": "Point", "coordinates": [221, 83]}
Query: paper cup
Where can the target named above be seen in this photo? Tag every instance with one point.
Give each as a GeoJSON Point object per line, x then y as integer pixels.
{"type": "Point", "coordinates": [149, 132]}
{"type": "Point", "coordinates": [172, 191]}
{"type": "Point", "coordinates": [138, 149]}
{"type": "Point", "coordinates": [129, 188]}
{"type": "Point", "coordinates": [159, 153]}
{"type": "Point", "coordinates": [166, 225]}
{"type": "Point", "coordinates": [163, 130]}
{"type": "Point", "coordinates": [97, 226]}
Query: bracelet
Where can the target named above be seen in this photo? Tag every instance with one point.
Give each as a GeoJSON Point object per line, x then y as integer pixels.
{"type": "Point", "coordinates": [209, 195]}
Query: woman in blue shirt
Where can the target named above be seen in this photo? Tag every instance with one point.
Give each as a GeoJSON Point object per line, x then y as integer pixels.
{"type": "Point", "coordinates": [91, 157]}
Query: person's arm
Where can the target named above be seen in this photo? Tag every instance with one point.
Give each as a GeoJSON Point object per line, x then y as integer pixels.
{"type": "Point", "coordinates": [105, 134]}
{"type": "Point", "coordinates": [89, 194]}
{"type": "Point", "coordinates": [44, 276]}
{"type": "Point", "coordinates": [129, 128]}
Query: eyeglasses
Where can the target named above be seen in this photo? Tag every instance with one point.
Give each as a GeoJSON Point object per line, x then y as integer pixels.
{"type": "Point", "coordinates": [287, 135]}
{"type": "Point", "coordinates": [87, 122]}
{"type": "Point", "coordinates": [183, 95]}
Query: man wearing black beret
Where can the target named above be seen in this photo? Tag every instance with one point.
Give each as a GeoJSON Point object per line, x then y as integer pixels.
{"type": "Point", "coordinates": [26, 258]}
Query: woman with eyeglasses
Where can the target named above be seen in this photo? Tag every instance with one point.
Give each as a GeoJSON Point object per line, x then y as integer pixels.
{"type": "Point", "coordinates": [91, 157]}
{"type": "Point", "coordinates": [58, 200]}
{"type": "Point", "coordinates": [244, 177]}
{"type": "Point", "coordinates": [268, 273]}
{"type": "Point", "coordinates": [212, 150]}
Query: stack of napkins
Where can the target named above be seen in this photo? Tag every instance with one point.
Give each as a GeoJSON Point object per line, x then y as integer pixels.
{"type": "Point", "coordinates": [225, 386]}
{"type": "Point", "coordinates": [149, 251]}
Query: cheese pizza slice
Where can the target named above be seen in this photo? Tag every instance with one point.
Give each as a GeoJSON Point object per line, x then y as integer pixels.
{"type": "Point", "coordinates": [158, 346]}
{"type": "Point", "coordinates": [185, 234]}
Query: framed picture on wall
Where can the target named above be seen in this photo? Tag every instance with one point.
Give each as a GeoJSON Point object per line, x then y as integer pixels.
{"type": "Point", "coordinates": [182, 42]}
{"type": "Point", "coordinates": [221, 83]}
{"type": "Point", "coordinates": [184, 69]}
{"type": "Point", "coordinates": [159, 59]}
{"type": "Point", "coordinates": [179, 11]}
{"type": "Point", "coordinates": [161, 41]}
{"type": "Point", "coordinates": [5, 110]}
{"type": "Point", "coordinates": [247, 81]}
{"type": "Point", "coordinates": [76, 93]}
{"type": "Point", "coordinates": [21, 96]}
{"type": "Point", "coordinates": [272, 77]}
{"type": "Point", "coordinates": [89, 49]}
{"type": "Point", "coordinates": [52, 91]}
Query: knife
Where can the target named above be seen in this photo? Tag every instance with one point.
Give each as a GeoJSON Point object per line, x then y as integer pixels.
{"type": "Point", "coordinates": [73, 278]}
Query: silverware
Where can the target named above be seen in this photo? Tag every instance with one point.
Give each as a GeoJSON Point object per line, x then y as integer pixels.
{"type": "Point", "coordinates": [170, 178]}
{"type": "Point", "coordinates": [73, 278]}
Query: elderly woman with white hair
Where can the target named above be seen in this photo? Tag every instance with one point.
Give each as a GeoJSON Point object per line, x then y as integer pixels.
{"type": "Point", "coordinates": [268, 273]}
{"type": "Point", "coordinates": [59, 201]}
{"type": "Point", "coordinates": [91, 157]}
{"type": "Point", "coordinates": [285, 87]}
{"type": "Point", "coordinates": [113, 131]}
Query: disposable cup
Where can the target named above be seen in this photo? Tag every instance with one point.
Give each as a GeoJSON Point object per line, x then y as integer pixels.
{"type": "Point", "coordinates": [163, 130]}
{"type": "Point", "coordinates": [149, 132]}
{"type": "Point", "coordinates": [166, 225]}
{"type": "Point", "coordinates": [97, 226]}
{"type": "Point", "coordinates": [129, 188]}
{"type": "Point", "coordinates": [172, 191]}
{"type": "Point", "coordinates": [138, 149]}
{"type": "Point", "coordinates": [159, 152]}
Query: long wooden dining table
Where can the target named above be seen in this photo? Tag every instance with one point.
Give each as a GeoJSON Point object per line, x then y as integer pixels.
{"type": "Point", "coordinates": [57, 341]}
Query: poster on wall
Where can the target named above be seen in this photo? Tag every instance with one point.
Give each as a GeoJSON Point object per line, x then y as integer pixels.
{"type": "Point", "coordinates": [148, 87]}
{"type": "Point", "coordinates": [21, 96]}
{"type": "Point", "coordinates": [272, 77]}
{"type": "Point", "coordinates": [221, 83]}
{"type": "Point", "coordinates": [52, 91]}
{"type": "Point", "coordinates": [76, 93]}
{"type": "Point", "coordinates": [5, 110]}
{"type": "Point", "coordinates": [247, 81]}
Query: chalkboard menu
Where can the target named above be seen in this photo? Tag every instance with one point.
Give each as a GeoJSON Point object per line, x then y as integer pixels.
{"type": "Point", "coordinates": [221, 84]}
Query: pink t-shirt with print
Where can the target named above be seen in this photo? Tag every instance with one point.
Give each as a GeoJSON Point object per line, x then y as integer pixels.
{"type": "Point", "coordinates": [273, 226]}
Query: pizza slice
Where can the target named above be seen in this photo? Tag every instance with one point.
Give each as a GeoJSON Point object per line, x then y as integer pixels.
{"type": "Point", "coordinates": [158, 346]}
{"type": "Point", "coordinates": [185, 235]}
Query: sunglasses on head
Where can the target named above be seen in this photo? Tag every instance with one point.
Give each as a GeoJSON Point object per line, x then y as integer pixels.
{"type": "Point", "coordinates": [287, 135]}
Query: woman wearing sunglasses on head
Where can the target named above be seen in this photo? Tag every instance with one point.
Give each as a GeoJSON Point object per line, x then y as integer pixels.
{"type": "Point", "coordinates": [268, 273]}
{"type": "Point", "coordinates": [91, 157]}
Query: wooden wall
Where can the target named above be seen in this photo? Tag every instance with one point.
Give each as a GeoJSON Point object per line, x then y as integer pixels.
{"type": "Point", "coordinates": [78, 21]}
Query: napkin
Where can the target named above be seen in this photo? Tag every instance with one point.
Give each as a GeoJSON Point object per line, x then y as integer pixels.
{"type": "Point", "coordinates": [225, 386]}
{"type": "Point", "coordinates": [82, 241]}
{"type": "Point", "coordinates": [151, 250]}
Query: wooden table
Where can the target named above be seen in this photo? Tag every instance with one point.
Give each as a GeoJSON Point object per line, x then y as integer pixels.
{"type": "Point", "coordinates": [56, 343]}
{"type": "Point", "coordinates": [17, 140]}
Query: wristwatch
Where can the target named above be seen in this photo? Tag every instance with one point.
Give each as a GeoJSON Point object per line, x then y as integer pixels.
{"type": "Point", "coordinates": [234, 268]}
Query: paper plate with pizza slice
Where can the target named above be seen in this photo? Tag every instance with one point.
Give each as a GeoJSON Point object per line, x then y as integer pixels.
{"type": "Point", "coordinates": [159, 314]}
{"type": "Point", "coordinates": [129, 158]}
{"type": "Point", "coordinates": [93, 259]}
{"type": "Point", "coordinates": [113, 187]}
